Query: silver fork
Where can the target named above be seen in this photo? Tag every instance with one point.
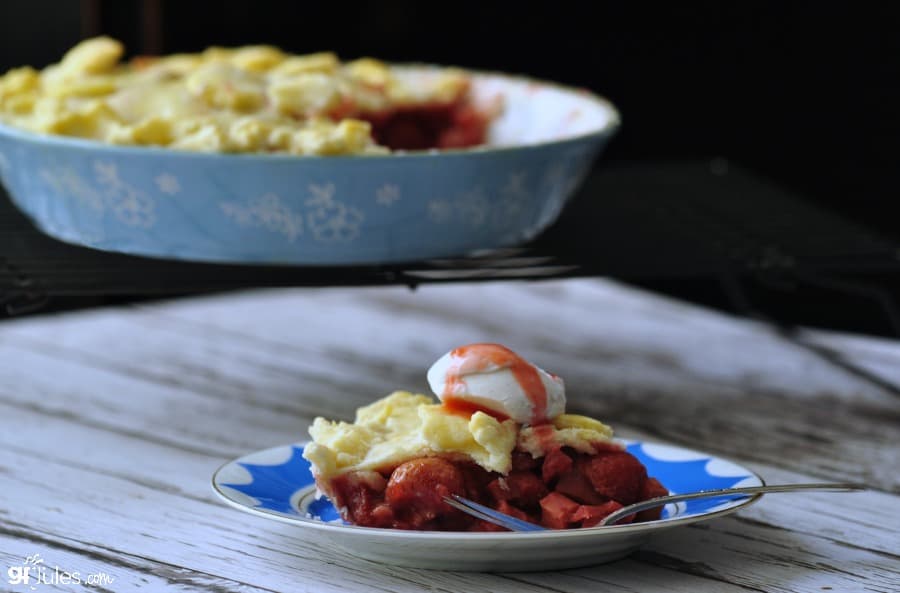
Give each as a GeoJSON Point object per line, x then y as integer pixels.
{"type": "Point", "coordinates": [513, 524]}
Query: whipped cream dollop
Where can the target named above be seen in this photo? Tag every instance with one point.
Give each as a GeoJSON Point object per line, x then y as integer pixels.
{"type": "Point", "coordinates": [493, 378]}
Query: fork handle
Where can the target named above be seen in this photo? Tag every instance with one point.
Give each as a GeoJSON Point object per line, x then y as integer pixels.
{"type": "Point", "coordinates": [637, 507]}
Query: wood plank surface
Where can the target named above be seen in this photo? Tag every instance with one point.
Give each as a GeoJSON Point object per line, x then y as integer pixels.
{"type": "Point", "coordinates": [116, 418]}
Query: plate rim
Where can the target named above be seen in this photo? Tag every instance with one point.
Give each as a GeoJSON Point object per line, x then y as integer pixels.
{"type": "Point", "coordinates": [486, 536]}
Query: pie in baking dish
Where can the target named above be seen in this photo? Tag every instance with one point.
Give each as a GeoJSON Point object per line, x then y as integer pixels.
{"type": "Point", "coordinates": [248, 99]}
{"type": "Point", "coordinates": [499, 436]}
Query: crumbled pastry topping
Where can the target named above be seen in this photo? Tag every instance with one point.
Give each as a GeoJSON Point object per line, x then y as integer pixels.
{"type": "Point", "coordinates": [403, 426]}
{"type": "Point", "coordinates": [249, 99]}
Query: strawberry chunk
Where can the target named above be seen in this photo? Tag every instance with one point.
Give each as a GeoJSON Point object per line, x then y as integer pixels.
{"type": "Point", "coordinates": [357, 493]}
{"type": "Point", "coordinates": [525, 488]}
{"type": "Point", "coordinates": [591, 515]}
{"type": "Point", "coordinates": [576, 486]}
{"type": "Point", "coordinates": [476, 480]}
{"type": "Point", "coordinates": [505, 507]}
{"type": "Point", "coordinates": [499, 489]}
{"type": "Point", "coordinates": [651, 488]}
{"type": "Point", "coordinates": [556, 463]}
{"type": "Point", "coordinates": [382, 515]}
{"type": "Point", "coordinates": [618, 476]}
{"type": "Point", "coordinates": [522, 461]}
{"type": "Point", "coordinates": [557, 510]}
{"type": "Point", "coordinates": [417, 489]}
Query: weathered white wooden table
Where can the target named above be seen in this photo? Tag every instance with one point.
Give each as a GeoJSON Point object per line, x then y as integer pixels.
{"type": "Point", "coordinates": [113, 421]}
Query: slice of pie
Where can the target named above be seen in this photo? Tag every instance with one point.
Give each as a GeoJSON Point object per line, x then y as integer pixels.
{"type": "Point", "coordinates": [499, 436]}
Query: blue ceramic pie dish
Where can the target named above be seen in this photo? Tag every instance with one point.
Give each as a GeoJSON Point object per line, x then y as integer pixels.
{"type": "Point", "coordinates": [284, 209]}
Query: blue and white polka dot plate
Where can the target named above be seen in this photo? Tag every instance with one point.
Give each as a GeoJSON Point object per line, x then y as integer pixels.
{"type": "Point", "coordinates": [277, 484]}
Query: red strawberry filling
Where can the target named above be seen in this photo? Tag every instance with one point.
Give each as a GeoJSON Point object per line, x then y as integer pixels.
{"type": "Point", "coordinates": [562, 490]}
{"type": "Point", "coordinates": [452, 125]}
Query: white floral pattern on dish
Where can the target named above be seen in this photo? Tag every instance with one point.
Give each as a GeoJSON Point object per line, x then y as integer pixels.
{"type": "Point", "coordinates": [167, 183]}
{"type": "Point", "coordinates": [129, 205]}
{"type": "Point", "coordinates": [330, 220]}
{"type": "Point", "coordinates": [322, 217]}
{"type": "Point", "coordinates": [266, 211]}
{"type": "Point", "coordinates": [387, 194]}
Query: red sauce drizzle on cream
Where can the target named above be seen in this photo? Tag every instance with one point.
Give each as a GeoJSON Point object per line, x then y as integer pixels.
{"type": "Point", "coordinates": [477, 358]}
{"type": "Point", "coordinates": [463, 407]}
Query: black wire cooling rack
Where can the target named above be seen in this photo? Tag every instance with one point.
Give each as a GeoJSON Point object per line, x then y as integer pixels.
{"type": "Point", "coordinates": [652, 223]}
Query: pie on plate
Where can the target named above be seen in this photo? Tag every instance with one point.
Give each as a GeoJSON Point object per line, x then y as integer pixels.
{"type": "Point", "coordinates": [276, 484]}
{"type": "Point", "coordinates": [491, 437]}
{"type": "Point", "coordinates": [499, 436]}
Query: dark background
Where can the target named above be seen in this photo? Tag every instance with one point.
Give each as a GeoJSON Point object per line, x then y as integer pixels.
{"type": "Point", "coordinates": [804, 94]}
